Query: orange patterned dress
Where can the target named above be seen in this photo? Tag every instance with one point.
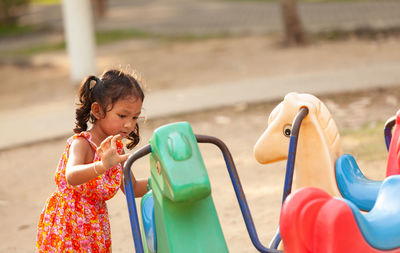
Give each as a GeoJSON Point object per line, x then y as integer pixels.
{"type": "Point", "coordinates": [75, 218]}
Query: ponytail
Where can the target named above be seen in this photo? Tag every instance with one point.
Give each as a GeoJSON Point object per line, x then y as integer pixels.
{"type": "Point", "coordinates": [86, 99]}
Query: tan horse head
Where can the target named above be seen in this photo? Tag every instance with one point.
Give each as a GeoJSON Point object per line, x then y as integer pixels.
{"type": "Point", "coordinates": [318, 144]}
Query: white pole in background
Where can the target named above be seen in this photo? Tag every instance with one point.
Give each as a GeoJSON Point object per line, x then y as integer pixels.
{"type": "Point", "coordinates": [79, 34]}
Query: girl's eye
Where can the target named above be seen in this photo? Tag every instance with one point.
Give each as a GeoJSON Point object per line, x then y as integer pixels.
{"type": "Point", "coordinates": [135, 118]}
{"type": "Point", "coordinates": [122, 116]}
{"type": "Point", "coordinates": [287, 130]}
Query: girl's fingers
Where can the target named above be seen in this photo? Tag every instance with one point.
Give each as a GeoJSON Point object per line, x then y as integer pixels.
{"type": "Point", "coordinates": [106, 141]}
{"type": "Point", "coordinates": [114, 140]}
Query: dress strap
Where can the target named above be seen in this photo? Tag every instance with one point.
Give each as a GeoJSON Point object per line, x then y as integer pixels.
{"type": "Point", "coordinates": [88, 137]}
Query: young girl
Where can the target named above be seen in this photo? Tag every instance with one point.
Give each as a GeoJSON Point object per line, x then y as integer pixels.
{"type": "Point", "coordinates": [75, 218]}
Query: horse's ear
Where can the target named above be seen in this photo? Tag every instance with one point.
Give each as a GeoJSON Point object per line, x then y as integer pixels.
{"type": "Point", "coordinates": [299, 100]}
{"type": "Point", "coordinates": [274, 113]}
{"type": "Point", "coordinates": [291, 96]}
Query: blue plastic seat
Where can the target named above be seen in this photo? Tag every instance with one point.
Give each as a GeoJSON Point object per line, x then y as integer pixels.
{"type": "Point", "coordinates": [353, 185]}
{"type": "Point", "coordinates": [148, 218]}
{"type": "Point", "coordinates": [381, 226]}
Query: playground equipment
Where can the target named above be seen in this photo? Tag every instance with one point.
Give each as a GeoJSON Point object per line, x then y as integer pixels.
{"type": "Point", "coordinates": [178, 214]}
{"type": "Point", "coordinates": [393, 163]}
{"type": "Point", "coordinates": [319, 162]}
{"type": "Point", "coordinates": [313, 221]}
{"type": "Point", "coordinates": [181, 196]}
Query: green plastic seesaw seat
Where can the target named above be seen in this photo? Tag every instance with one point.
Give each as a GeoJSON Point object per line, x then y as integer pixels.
{"type": "Point", "coordinates": [185, 216]}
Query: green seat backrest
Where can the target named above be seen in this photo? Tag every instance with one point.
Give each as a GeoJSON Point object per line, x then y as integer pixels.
{"type": "Point", "coordinates": [185, 215]}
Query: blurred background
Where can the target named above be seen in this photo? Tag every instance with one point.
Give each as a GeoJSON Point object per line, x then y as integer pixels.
{"type": "Point", "coordinates": [222, 65]}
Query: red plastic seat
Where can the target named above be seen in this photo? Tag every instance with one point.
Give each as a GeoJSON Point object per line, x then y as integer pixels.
{"type": "Point", "coordinates": [314, 222]}
{"type": "Point", "coordinates": [393, 163]}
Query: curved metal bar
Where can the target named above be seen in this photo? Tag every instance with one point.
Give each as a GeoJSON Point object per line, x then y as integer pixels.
{"type": "Point", "coordinates": [294, 136]}
{"type": "Point", "coordinates": [130, 197]}
{"type": "Point", "coordinates": [287, 188]}
{"type": "Point", "coordinates": [238, 191]}
{"type": "Point", "coordinates": [274, 244]}
{"type": "Point", "coordinates": [390, 123]}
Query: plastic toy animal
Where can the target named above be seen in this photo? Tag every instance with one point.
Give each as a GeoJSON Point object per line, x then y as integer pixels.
{"type": "Point", "coordinates": [186, 219]}
{"type": "Point", "coordinates": [318, 144]}
{"type": "Point", "coordinates": [178, 214]}
{"type": "Point", "coordinates": [318, 151]}
{"type": "Point", "coordinates": [313, 221]}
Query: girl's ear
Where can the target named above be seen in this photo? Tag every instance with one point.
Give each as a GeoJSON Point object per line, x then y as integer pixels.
{"type": "Point", "coordinates": [97, 111]}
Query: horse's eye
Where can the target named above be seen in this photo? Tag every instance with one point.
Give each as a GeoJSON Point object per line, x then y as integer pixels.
{"type": "Point", "coordinates": [287, 130]}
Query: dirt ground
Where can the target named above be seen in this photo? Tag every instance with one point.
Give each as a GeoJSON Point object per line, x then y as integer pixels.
{"type": "Point", "coordinates": [28, 172]}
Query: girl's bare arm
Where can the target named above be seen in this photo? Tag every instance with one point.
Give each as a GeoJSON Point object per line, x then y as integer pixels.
{"type": "Point", "coordinates": [79, 168]}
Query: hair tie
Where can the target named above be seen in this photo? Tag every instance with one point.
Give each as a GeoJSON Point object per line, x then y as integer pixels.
{"type": "Point", "coordinates": [91, 84]}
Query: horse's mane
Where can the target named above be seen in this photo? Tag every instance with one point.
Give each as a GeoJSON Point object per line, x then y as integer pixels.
{"type": "Point", "coordinates": [327, 123]}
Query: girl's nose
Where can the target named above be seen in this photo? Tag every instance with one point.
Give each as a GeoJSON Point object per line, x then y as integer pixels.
{"type": "Point", "coordinates": [128, 124]}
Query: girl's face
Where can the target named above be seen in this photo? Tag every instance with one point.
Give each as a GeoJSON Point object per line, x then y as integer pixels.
{"type": "Point", "coordinates": [122, 117]}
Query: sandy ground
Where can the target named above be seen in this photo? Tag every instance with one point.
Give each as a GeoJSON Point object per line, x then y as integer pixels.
{"type": "Point", "coordinates": [28, 172]}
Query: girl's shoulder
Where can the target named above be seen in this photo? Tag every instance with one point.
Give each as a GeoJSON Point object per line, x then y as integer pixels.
{"type": "Point", "coordinates": [81, 147]}
{"type": "Point", "coordinates": [82, 139]}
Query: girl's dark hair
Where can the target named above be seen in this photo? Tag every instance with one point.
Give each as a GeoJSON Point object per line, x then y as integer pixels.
{"type": "Point", "coordinates": [110, 87]}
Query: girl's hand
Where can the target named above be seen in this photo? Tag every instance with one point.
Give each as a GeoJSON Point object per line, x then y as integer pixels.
{"type": "Point", "coordinates": [109, 154]}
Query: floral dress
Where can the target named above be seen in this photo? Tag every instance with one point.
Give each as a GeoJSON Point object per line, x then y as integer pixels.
{"type": "Point", "coordinates": [75, 218]}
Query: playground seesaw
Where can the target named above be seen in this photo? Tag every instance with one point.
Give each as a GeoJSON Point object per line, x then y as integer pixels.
{"type": "Point", "coordinates": [318, 150]}
{"type": "Point", "coordinates": [178, 214]}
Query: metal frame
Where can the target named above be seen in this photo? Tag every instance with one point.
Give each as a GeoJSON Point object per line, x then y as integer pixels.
{"type": "Point", "coordinates": [390, 123]}
{"type": "Point", "coordinates": [237, 186]}
{"type": "Point", "coordinates": [130, 197]}
{"type": "Point", "coordinates": [287, 188]}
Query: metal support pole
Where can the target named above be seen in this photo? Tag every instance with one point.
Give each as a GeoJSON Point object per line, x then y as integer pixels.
{"type": "Point", "coordinates": [390, 123]}
{"type": "Point", "coordinates": [130, 197]}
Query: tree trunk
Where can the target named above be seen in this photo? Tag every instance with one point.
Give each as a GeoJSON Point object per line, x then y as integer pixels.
{"type": "Point", "coordinates": [10, 11]}
{"type": "Point", "coordinates": [294, 34]}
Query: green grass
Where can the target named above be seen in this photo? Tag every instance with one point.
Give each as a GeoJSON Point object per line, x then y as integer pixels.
{"type": "Point", "coordinates": [348, 1]}
{"type": "Point", "coordinates": [366, 143]}
{"type": "Point", "coordinates": [362, 33]}
{"type": "Point", "coordinates": [14, 30]}
{"type": "Point", "coordinates": [118, 35]}
{"type": "Point", "coordinates": [276, 1]}
{"type": "Point", "coordinates": [29, 51]}
{"type": "Point", "coordinates": [101, 39]}
{"type": "Point", "coordinates": [107, 37]}
{"type": "Point", "coordinates": [47, 2]}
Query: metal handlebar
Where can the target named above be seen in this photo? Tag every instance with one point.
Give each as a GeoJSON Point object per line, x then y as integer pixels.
{"type": "Point", "coordinates": [390, 123]}
{"type": "Point", "coordinates": [287, 188]}
{"type": "Point", "coordinates": [130, 197]}
{"type": "Point", "coordinates": [244, 208]}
